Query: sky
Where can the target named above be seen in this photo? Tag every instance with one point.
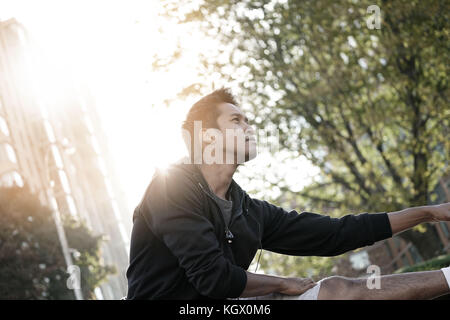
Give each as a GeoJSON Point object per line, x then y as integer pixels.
{"type": "Point", "coordinates": [110, 46]}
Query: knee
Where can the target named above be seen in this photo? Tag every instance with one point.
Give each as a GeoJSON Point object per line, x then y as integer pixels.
{"type": "Point", "coordinates": [337, 287]}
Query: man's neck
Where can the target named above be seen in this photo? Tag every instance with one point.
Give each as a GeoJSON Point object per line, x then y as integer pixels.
{"type": "Point", "coordinates": [218, 176]}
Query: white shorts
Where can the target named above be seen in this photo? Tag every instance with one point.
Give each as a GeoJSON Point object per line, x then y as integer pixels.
{"type": "Point", "coordinates": [311, 294]}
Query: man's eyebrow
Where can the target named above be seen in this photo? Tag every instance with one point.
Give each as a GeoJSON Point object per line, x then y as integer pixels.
{"type": "Point", "coordinates": [240, 116]}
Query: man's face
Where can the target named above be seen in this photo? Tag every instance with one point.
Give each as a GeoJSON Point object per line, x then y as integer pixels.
{"type": "Point", "coordinates": [238, 137]}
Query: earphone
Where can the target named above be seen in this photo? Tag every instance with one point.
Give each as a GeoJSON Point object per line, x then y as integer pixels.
{"type": "Point", "coordinates": [260, 243]}
{"type": "Point", "coordinates": [260, 249]}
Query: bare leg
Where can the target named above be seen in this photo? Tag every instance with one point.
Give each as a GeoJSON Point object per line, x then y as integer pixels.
{"type": "Point", "coordinates": [408, 286]}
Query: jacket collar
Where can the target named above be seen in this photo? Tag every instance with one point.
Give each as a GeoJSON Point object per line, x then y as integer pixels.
{"type": "Point", "coordinates": [243, 197]}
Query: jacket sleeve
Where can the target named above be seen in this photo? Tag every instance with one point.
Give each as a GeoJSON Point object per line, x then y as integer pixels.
{"type": "Point", "coordinates": [172, 208]}
{"type": "Point", "coordinates": [312, 234]}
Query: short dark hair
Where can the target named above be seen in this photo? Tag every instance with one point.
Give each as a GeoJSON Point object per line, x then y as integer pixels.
{"type": "Point", "coordinates": [206, 110]}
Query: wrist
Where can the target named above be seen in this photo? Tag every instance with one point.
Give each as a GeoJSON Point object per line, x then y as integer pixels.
{"type": "Point", "coordinates": [429, 213]}
{"type": "Point", "coordinates": [410, 217]}
{"type": "Point", "coordinates": [422, 214]}
{"type": "Point", "coordinates": [282, 284]}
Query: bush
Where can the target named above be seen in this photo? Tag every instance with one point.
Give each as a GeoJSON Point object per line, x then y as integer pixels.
{"type": "Point", "coordinates": [32, 265]}
{"type": "Point", "coordinates": [432, 264]}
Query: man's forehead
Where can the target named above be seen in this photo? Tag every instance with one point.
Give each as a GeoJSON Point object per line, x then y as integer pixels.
{"type": "Point", "coordinates": [228, 109]}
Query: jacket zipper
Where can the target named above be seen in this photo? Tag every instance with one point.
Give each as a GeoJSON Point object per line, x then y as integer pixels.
{"type": "Point", "coordinates": [228, 234]}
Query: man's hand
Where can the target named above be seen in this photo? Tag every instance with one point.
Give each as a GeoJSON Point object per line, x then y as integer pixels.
{"type": "Point", "coordinates": [440, 212]}
{"type": "Point", "coordinates": [296, 286]}
{"type": "Point", "coordinates": [261, 285]}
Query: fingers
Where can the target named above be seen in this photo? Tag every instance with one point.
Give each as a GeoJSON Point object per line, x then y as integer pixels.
{"type": "Point", "coordinates": [308, 286]}
{"type": "Point", "coordinates": [308, 283]}
{"type": "Point", "coordinates": [308, 280]}
{"type": "Point", "coordinates": [299, 286]}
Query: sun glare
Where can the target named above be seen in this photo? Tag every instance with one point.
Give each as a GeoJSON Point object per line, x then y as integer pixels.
{"type": "Point", "coordinates": [110, 46]}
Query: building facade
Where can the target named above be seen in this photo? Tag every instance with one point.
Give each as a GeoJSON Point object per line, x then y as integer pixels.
{"type": "Point", "coordinates": [51, 138]}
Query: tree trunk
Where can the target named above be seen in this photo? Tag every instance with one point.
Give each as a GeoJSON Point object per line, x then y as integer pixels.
{"type": "Point", "coordinates": [427, 243]}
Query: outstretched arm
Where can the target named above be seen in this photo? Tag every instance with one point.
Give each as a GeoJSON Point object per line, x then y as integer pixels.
{"type": "Point", "coordinates": [311, 234]}
{"type": "Point", "coordinates": [410, 217]}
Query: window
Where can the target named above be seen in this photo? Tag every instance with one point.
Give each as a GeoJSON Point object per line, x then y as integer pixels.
{"type": "Point", "coordinates": [72, 206]}
{"type": "Point", "coordinates": [49, 130]}
{"type": "Point", "coordinates": [64, 181]}
{"type": "Point", "coordinates": [4, 127]}
{"type": "Point", "coordinates": [57, 156]}
{"type": "Point", "coordinates": [10, 179]}
{"type": "Point", "coordinates": [102, 166]}
{"type": "Point", "coordinates": [16, 36]}
{"type": "Point", "coordinates": [95, 145]}
{"type": "Point", "coordinates": [21, 35]}
{"type": "Point", "coordinates": [11, 153]}
{"type": "Point", "coordinates": [89, 124]}
{"type": "Point", "coordinates": [7, 153]}
{"type": "Point", "coordinates": [109, 188]}
{"type": "Point", "coordinates": [123, 233]}
{"type": "Point", "coordinates": [116, 210]}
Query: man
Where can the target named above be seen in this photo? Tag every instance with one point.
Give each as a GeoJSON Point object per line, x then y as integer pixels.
{"type": "Point", "coordinates": [196, 231]}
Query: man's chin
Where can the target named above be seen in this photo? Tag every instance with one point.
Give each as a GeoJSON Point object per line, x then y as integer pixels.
{"type": "Point", "coordinates": [241, 159]}
{"type": "Point", "coordinates": [250, 156]}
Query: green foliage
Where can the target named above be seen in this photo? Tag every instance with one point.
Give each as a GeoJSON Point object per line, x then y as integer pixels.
{"type": "Point", "coordinates": [432, 264]}
{"type": "Point", "coordinates": [32, 265]}
{"type": "Point", "coordinates": [88, 256]}
{"type": "Point", "coordinates": [369, 107]}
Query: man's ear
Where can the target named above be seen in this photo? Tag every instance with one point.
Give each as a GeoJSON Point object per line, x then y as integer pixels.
{"type": "Point", "coordinates": [205, 136]}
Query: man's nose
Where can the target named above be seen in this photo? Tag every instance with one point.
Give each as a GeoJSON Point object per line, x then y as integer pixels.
{"type": "Point", "coordinates": [249, 130]}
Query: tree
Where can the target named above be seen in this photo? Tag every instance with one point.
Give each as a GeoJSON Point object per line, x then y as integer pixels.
{"type": "Point", "coordinates": [32, 265]}
{"type": "Point", "coordinates": [369, 107]}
